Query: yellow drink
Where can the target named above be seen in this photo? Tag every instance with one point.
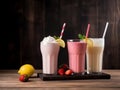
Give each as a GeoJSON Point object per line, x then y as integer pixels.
{"type": "Point", "coordinates": [95, 55]}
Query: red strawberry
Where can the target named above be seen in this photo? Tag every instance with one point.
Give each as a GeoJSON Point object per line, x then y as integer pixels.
{"type": "Point", "coordinates": [61, 71]}
{"type": "Point", "coordinates": [64, 66]}
{"type": "Point", "coordinates": [68, 72]}
{"type": "Point", "coordinates": [23, 78]}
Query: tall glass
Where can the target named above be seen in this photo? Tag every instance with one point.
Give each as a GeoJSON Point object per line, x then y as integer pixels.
{"type": "Point", "coordinates": [76, 51]}
{"type": "Point", "coordinates": [95, 55]}
{"type": "Point", "coordinates": [49, 57]}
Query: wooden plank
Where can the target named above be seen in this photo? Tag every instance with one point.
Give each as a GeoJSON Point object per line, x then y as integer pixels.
{"type": "Point", "coordinates": [9, 79]}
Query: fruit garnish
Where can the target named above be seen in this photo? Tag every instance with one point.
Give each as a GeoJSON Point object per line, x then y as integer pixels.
{"type": "Point", "coordinates": [68, 72]}
{"type": "Point", "coordinates": [61, 42]}
{"type": "Point", "coordinates": [26, 69]}
{"type": "Point", "coordinates": [61, 71]}
{"type": "Point", "coordinates": [81, 37]}
{"type": "Point", "coordinates": [23, 78]}
{"type": "Point", "coordinates": [56, 37]}
{"type": "Point", "coordinates": [89, 42]}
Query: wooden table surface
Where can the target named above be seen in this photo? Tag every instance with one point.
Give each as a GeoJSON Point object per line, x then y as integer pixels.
{"type": "Point", "coordinates": [9, 81]}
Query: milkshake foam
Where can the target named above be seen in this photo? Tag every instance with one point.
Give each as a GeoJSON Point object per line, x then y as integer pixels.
{"type": "Point", "coordinates": [48, 39]}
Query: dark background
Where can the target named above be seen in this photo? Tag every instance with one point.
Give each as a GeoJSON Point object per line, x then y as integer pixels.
{"type": "Point", "coordinates": [26, 22]}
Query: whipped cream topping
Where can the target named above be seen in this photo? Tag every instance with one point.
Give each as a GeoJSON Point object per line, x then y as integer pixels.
{"type": "Point", "coordinates": [48, 39]}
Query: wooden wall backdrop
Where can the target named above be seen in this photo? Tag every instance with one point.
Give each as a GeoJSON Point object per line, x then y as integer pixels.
{"type": "Point", "coordinates": [26, 22]}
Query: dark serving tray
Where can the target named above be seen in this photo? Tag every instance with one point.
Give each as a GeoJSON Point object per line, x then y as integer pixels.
{"type": "Point", "coordinates": [85, 76]}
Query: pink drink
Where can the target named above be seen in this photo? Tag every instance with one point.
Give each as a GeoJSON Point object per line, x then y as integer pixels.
{"type": "Point", "coordinates": [76, 51]}
{"type": "Point", "coordinates": [49, 50]}
{"type": "Point", "coordinates": [50, 58]}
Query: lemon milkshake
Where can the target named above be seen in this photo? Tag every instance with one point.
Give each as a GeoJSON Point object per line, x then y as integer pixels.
{"type": "Point", "coordinates": [95, 55]}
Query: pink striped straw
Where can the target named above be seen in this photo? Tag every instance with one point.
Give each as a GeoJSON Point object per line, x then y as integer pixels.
{"type": "Point", "coordinates": [88, 28]}
{"type": "Point", "coordinates": [63, 27]}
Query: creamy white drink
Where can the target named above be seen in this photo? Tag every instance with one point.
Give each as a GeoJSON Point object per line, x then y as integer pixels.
{"type": "Point", "coordinates": [95, 55]}
{"type": "Point", "coordinates": [49, 50]}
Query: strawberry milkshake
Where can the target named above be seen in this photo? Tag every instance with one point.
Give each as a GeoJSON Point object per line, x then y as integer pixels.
{"type": "Point", "coordinates": [76, 51]}
{"type": "Point", "coordinates": [49, 50]}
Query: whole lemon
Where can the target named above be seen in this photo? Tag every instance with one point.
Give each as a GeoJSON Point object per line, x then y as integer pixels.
{"type": "Point", "coordinates": [26, 69]}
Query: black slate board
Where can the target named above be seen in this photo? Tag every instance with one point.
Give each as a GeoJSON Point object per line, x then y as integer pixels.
{"type": "Point", "coordinates": [85, 76]}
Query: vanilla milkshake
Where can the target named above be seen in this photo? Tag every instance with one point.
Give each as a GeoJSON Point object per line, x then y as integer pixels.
{"type": "Point", "coordinates": [95, 55]}
{"type": "Point", "coordinates": [49, 50]}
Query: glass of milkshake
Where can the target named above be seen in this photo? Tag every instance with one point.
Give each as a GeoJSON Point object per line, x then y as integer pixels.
{"type": "Point", "coordinates": [76, 52]}
{"type": "Point", "coordinates": [49, 50]}
{"type": "Point", "coordinates": [94, 55]}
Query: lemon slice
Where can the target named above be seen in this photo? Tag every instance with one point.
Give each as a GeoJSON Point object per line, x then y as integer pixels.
{"type": "Point", "coordinates": [89, 42]}
{"type": "Point", "coordinates": [61, 42]}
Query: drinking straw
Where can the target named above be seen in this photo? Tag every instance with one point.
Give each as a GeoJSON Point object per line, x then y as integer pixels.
{"type": "Point", "coordinates": [105, 29]}
{"type": "Point", "coordinates": [62, 31]}
{"type": "Point", "coordinates": [87, 31]}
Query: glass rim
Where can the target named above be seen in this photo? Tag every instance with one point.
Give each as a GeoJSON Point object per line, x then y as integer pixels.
{"type": "Point", "coordinates": [74, 40]}
{"type": "Point", "coordinates": [96, 38]}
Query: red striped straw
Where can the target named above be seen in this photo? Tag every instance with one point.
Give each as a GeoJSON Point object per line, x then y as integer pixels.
{"type": "Point", "coordinates": [88, 28]}
{"type": "Point", "coordinates": [63, 27]}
